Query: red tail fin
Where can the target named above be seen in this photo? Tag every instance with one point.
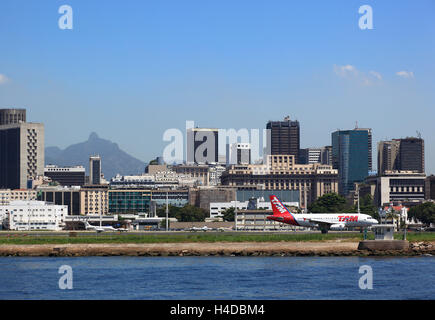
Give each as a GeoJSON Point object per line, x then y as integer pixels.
{"type": "Point", "coordinates": [278, 208]}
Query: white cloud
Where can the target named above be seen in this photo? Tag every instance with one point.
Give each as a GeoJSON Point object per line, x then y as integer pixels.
{"type": "Point", "coordinates": [351, 72]}
{"type": "Point", "coordinates": [405, 74]}
{"type": "Point", "coordinates": [375, 74]}
{"type": "Point", "coordinates": [345, 71]}
{"type": "Point", "coordinates": [3, 79]}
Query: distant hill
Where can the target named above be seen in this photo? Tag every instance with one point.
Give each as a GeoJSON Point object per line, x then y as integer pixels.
{"type": "Point", "coordinates": [113, 159]}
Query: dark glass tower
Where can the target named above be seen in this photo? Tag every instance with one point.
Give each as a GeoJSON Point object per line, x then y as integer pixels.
{"type": "Point", "coordinates": [352, 156]}
{"type": "Point", "coordinates": [284, 137]}
{"type": "Point", "coordinates": [411, 155]}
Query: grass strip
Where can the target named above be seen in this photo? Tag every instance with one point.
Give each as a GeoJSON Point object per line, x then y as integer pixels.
{"type": "Point", "coordinates": [196, 237]}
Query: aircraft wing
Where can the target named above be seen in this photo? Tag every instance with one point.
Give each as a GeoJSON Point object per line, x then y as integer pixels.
{"type": "Point", "coordinates": [322, 222]}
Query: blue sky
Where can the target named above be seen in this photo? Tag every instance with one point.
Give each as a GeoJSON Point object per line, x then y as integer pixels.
{"type": "Point", "coordinates": [129, 70]}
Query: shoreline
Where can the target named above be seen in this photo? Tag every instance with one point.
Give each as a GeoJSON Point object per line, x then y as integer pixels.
{"type": "Point", "coordinates": [324, 248]}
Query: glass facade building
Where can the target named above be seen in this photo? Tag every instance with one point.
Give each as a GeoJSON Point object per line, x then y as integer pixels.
{"type": "Point", "coordinates": [139, 200]}
{"type": "Point", "coordinates": [129, 201]}
{"type": "Point", "coordinates": [352, 156]}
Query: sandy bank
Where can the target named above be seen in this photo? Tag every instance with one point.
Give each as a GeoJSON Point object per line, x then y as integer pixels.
{"type": "Point", "coordinates": [326, 248]}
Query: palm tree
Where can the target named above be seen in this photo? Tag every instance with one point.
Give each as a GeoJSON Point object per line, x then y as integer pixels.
{"type": "Point", "coordinates": [393, 216]}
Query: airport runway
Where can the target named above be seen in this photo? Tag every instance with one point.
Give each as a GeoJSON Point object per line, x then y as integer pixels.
{"type": "Point", "coordinates": [5, 233]}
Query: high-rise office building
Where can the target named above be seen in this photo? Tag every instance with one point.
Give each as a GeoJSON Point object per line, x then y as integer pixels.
{"type": "Point", "coordinates": [401, 155]}
{"type": "Point", "coordinates": [411, 155]}
{"type": "Point", "coordinates": [21, 154]}
{"type": "Point", "coordinates": [12, 116]}
{"type": "Point", "coordinates": [352, 156]}
{"type": "Point", "coordinates": [387, 156]}
{"type": "Point", "coordinates": [284, 138]}
{"type": "Point", "coordinates": [202, 145]}
{"type": "Point", "coordinates": [95, 170]}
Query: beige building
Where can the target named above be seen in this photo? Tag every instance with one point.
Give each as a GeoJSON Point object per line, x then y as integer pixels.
{"type": "Point", "coordinates": [200, 172]}
{"type": "Point", "coordinates": [94, 200]}
{"type": "Point", "coordinates": [8, 195]}
{"type": "Point", "coordinates": [280, 172]}
{"type": "Point", "coordinates": [407, 187]}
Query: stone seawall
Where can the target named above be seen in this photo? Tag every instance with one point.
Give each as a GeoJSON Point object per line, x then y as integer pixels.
{"type": "Point", "coordinates": [327, 248]}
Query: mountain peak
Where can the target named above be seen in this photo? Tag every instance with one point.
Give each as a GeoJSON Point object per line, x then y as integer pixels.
{"type": "Point", "coordinates": [93, 136]}
{"type": "Point", "coordinates": [113, 159]}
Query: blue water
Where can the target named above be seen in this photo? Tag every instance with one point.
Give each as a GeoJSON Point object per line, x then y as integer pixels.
{"type": "Point", "coordinates": [217, 278]}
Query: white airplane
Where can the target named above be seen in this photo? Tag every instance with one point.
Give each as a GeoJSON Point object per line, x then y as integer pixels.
{"type": "Point", "coordinates": [225, 229]}
{"type": "Point", "coordinates": [325, 221]}
{"type": "Point", "coordinates": [102, 228]}
{"type": "Point", "coordinates": [204, 228]}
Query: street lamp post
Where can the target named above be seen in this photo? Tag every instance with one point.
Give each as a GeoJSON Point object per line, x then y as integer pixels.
{"type": "Point", "coordinates": [235, 216]}
{"type": "Point", "coordinates": [167, 211]}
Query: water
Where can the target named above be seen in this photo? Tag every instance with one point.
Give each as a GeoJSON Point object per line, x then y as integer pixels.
{"type": "Point", "coordinates": [217, 278]}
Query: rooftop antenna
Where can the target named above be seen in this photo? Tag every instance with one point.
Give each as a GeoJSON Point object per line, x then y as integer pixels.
{"type": "Point", "coordinates": [418, 134]}
{"type": "Point", "coordinates": [356, 124]}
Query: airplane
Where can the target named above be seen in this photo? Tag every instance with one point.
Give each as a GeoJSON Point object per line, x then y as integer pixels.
{"type": "Point", "coordinates": [102, 228]}
{"type": "Point", "coordinates": [225, 229]}
{"type": "Point", "coordinates": [204, 228]}
{"type": "Point", "coordinates": [325, 221]}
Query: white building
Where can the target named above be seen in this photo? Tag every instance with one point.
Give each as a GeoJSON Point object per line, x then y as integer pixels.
{"type": "Point", "coordinates": [216, 208]}
{"type": "Point", "coordinates": [161, 179]}
{"type": "Point", "coordinates": [33, 215]}
{"type": "Point", "coordinates": [215, 174]}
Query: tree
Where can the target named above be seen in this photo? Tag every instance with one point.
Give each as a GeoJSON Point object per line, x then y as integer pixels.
{"type": "Point", "coordinates": [152, 162]}
{"type": "Point", "coordinates": [367, 206]}
{"type": "Point", "coordinates": [188, 213]}
{"type": "Point", "coordinates": [229, 214]}
{"type": "Point", "coordinates": [329, 203]}
{"type": "Point", "coordinates": [424, 212]}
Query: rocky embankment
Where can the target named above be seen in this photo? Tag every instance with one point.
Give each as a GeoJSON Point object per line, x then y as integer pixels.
{"type": "Point", "coordinates": [327, 248]}
{"type": "Point", "coordinates": [423, 247]}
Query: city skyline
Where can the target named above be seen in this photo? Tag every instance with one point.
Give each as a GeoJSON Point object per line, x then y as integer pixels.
{"type": "Point", "coordinates": [135, 70]}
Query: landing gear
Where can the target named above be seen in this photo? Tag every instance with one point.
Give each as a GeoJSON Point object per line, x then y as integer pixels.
{"type": "Point", "coordinates": [324, 230]}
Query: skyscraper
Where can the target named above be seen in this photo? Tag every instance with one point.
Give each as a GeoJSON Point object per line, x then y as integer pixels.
{"type": "Point", "coordinates": [411, 155]}
{"type": "Point", "coordinates": [401, 155]}
{"type": "Point", "coordinates": [388, 152]}
{"type": "Point", "coordinates": [352, 156]}
{"type": "Point", "coordinates": [21, 154]}
{"type": "Point", "coordinates": [284, 137]}
{"type": "Point", "coordinates": [95, 170]}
